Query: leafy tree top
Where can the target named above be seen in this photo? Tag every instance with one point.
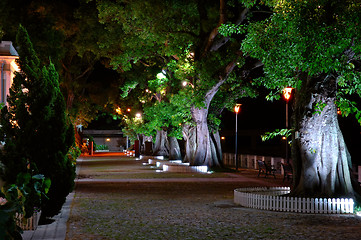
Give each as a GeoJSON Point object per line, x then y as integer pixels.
{"type": "Point", "coordinates": [317, 38]}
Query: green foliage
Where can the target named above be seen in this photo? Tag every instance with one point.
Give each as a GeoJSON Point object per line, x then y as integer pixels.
{"type": "Point", "coordinates": [8, 228]}
{"type": "Point", "coordinates": [15, 198]}
{"type": "Point", "coordinates": [228, 29]}
{"type": "Point", "coordinates": [182, 38]}
{"type": "Point", "coordinates": [278, 132]}
{"type": "Point", "coordinates": [319, 107]}
{"type": "Point", "coordinates": [166, 115]}
{"type": "Point", "coordinates": [36, 131]}
{"type": "Point", "coordinates": [357, 209]}
{"type": "Point", "coordinates": [134, 126]}
{"type": "Point", "coordinates": [313, 38]}
{"type": "Point", "coordinates": [101, 147]}
{"type": "Point", "coordinates": [73, 153]}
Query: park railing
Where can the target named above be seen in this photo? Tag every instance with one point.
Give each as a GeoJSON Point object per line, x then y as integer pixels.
{"type": "Point", "coordinates": [271, 199]}
{"type": "Point", "coordinates": [250, 161]}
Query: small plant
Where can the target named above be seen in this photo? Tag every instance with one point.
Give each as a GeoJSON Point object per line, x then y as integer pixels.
{"type": "Point", "coordinates": [20, 198]}
{"type": "Point", "coordinates": [357, 210]}
{"type": "Point", "coordinates": [8, 228]}
{"type": "Point", "coordinates": [73, 153]}
{"type": "Point", "coordinates": [101, 147]}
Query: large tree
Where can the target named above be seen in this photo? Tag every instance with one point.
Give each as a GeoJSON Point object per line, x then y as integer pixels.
{"type": "Point", "coordinates": [182, 37]}
{"type": "Point", "coordinates": [314, 46]}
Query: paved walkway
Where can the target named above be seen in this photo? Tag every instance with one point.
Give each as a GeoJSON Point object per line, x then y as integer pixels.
{"type": "Point", "coordinates": [119, 198]}
{"type": "Point", "coordinates": [54, 231]}
{"type": "Point", "coordinates": [57, 230]}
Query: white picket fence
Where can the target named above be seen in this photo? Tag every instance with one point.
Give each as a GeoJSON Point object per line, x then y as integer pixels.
{"type": "Point", "coordinates": [269, 199]}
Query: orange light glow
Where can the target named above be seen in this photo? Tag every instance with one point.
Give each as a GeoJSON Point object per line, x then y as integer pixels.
{"type": "Point", "coordinates": [223, 138]}
{"type": "Point", "coordinates": [287, 93]}
{"type": "Point", "coordinates": [339, 111]}
{"type": "Point", "coordinates": [119, 110]}
{"type": "Point", "coordinates": [128, 109]}
{"type": "Point", "coordinates": [237, 107]}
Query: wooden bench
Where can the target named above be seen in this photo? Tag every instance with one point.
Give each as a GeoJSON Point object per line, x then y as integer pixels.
{"type": "Point", "coordinates": [287, 171]}
{"type": "Point", "coordinates": [266, 169]}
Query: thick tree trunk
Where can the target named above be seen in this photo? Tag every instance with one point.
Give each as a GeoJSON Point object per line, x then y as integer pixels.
{"type": "Point", "coordinates": [203, 154]}
{"type": "Point", "coordinates": [216, 149]}
{"type": "Point", "coordinates": [174, 149]}
{"type": "Point", "coordinates": [322, 163]}
{"type": "Point", "coordinates": [161, 146]}
{"type": "Point", "coordinates": [189, 135]}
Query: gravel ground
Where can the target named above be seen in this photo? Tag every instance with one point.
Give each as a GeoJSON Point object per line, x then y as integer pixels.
{"type": "Point", "coordinates": [185, 210]}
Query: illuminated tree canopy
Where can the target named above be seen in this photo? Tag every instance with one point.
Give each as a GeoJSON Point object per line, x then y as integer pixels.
{"type": "Point", "coordinates": [181, 38]}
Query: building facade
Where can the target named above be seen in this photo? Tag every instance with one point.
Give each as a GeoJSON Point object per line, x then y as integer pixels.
{"type": "Point", "coordinates": [8, 66]}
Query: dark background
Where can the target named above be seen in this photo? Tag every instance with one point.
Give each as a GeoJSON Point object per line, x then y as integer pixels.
{"type": "Point", "coordinates": [258, 116]}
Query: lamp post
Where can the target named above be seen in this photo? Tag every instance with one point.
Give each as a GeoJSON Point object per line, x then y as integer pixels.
{"type": "Point", "coordinates": [287, 95]}
{"type": "Point", "coordinates": [185, 83]}
{"type": "Point", "coordinates": [236, 109]}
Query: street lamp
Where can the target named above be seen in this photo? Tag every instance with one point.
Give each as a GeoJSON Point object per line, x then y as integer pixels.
{"type": "Point", "coordinates": [287, 95]}
{"type": "Point", "coordinates": [236, 109]}
{"type": "Point", "coordinates": [185, 83]}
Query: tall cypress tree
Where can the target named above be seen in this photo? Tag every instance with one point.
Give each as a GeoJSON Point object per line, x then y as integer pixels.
{"type": "Point", "coordinates": [36, 129]}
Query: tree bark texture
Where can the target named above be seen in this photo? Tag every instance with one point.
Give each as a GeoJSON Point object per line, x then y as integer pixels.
{"type": "Point", "coordinates": [189, 135]}
{"type": "Point", "coordinates": [203, 155]}
{"type": "Point", "coordinates": [161, 145]}
{"type": "Point", "coordinates": [174, 149]}
{"type": "Point", "coordinates": [216, 149]}
{"type": "Point", "coordinates": [322, 163]}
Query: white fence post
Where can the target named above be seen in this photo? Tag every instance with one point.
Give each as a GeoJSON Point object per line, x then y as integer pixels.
{"type": "Point", "coordinates": [256, 198]}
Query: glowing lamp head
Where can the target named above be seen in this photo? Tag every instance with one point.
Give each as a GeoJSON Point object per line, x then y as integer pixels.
{"type": "Point", "coordinates": [237, 107]}
{"type": "Point", "coordinates": [339, 111]}
{"type": "Point", "coordinates": [287, 93]}
{"type": "Point", "coordinates": [184, 83]}
{"type": "Point", "coordinates": [128, 109]}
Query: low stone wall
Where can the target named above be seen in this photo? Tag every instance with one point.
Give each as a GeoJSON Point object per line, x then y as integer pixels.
{"type": "Point", "coordinates": [184, 168]}
{"type": "Point", "coordinates": [176, 166]}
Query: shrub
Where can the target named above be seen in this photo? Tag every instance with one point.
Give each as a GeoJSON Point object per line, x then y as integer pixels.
{"type": "Point", "coordinates": [36, 130]}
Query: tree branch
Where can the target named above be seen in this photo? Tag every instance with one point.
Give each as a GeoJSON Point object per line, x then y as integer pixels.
{"type": "Point", "coordinates": [219, 43]}
{"type": "Point", "coordinates": [222, 78]}
{"type": "Point", "coordinates": [214, 32]}
{"type": "Point", "coordinates": [84, 72]}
